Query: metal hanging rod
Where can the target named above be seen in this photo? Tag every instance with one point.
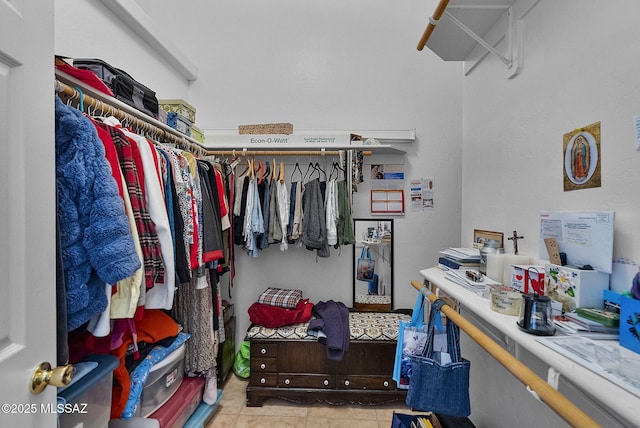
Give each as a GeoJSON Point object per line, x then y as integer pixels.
{"type": "Point", "coordinates": [280, 152]}
{"type": "Point", "coordinates": [139, 120]}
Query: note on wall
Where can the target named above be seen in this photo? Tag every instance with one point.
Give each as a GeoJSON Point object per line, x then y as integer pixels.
{"type": "Point", "coordinates": [586, 237]}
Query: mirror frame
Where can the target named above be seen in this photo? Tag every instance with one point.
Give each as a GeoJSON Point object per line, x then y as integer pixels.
{"type": "Point", "coordinates": [373, 307]}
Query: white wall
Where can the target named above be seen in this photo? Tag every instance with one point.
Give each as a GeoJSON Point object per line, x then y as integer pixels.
{"type": "Point", "coordinates": [581, 66]}
{"type": "Point", "coordinates": [493, 145]}
{"type": "Point", "coordinates": [319, 65]}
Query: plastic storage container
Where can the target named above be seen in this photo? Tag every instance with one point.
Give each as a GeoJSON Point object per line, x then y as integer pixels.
{"type": "Point", "coordinates": [175, 412]}
{"type": "Point", "coordinates": [164, 380]}
{"type": "Point", "coordinates": [91, 394]}
{"type": "Point", "coordinates": [203, 414]}
{"type": "Point", "coordinates": [179, 123]}
{"type": "Point", "coordinates": [181, 107]}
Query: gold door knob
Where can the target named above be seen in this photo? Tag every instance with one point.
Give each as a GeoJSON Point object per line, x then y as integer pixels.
{"type": "Point", "coordinates": [44, 375]}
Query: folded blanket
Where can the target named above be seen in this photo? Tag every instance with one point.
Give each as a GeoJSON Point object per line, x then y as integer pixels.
{"type": "Point", "coordinates": [274, 316]}
{"type": "Point", "coordinates": [283, 298]}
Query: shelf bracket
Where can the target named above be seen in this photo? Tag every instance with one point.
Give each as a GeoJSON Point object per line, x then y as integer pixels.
{"type": "Point", "coordinates": [513, 51]}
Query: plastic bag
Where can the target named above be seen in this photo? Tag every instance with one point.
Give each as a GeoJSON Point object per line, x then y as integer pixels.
{"type": "Point", "coordinates": [242, 362]}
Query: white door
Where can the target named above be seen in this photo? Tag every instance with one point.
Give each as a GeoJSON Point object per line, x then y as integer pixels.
{"type": "Point", "coordinates": [27, 210]}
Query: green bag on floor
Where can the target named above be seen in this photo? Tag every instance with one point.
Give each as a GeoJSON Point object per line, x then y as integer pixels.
{"type": "Point", "coordinates": [241, 363]}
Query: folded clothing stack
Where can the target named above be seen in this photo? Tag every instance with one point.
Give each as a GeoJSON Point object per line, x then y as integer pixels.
{"type": "Point", "coordinates": [277, 307]}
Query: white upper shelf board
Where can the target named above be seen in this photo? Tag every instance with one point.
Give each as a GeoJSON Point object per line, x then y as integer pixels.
{"type": "Point", "coordinates": [379, 141]}
{"type": "Point", "coordinates": [450, 42]}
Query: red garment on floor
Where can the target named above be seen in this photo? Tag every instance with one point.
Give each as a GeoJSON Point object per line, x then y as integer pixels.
{"type": "Point", "coordinates": [273, 316]}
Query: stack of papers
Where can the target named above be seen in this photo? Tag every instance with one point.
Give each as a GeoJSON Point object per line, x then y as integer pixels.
{"type": "Point", "coordinates": [459, 276]}
{"type": "Point", "coordinates": [462, 254]}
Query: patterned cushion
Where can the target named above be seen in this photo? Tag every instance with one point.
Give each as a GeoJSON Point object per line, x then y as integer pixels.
{"type": "Point", "coordinates": [373, 299]}
{"type": "Point", "coordinates": [283, 298]}
{"type": "Point", "coordinates": [363, 326]}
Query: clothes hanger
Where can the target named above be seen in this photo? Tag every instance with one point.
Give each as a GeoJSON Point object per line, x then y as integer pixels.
{"type": "Point", "coordinates": [320, 170]}
{"type": "Point", "coordinates": [259, 171]}
{"type": "Point", "coordinates": [296, 168]}
{"type": "Point", "coordinates": [281, 172]}
{"type": "Point", "coordinates": [335, 167]}
{"type": "Point", "coordinates": [307, 176]}
{"type": "Point", "coordinates": [266, 172]}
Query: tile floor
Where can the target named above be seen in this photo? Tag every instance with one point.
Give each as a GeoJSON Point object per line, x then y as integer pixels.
{"type": "Point", "coordinates": [233, 413]}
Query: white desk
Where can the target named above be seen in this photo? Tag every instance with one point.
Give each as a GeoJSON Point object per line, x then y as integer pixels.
{"type": "Point", "coordinates": [608, 398]}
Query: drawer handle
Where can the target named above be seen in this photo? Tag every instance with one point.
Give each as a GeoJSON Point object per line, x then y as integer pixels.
{"type": "Point", "coordinates": [326, 382]}
{"type": "Point", "coordinates": [346, 382]}
{"type": "Point", "coordinates": [263, 366]}
{"type": "Point", "coordinates": [385, 383]}
{"type": "Point", "coordinates": [263, 351]}
{"type": "Point", "coordinates": [263, 380]}
{"type": "Point", "coordinates": [287, 381]}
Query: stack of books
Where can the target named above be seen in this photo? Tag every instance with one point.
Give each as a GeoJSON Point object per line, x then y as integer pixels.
{"type": "Point", "coordinates": [456, 258]}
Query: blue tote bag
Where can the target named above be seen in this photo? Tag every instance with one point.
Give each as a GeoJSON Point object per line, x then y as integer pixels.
{"type": "Point", "coordinates": [412, 338]}
{"type": "Point", "coordinates": [440, 385]}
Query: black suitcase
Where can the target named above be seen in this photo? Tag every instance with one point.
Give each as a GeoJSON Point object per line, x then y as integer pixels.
{"type": "Point", "coordinates": [124, 87]}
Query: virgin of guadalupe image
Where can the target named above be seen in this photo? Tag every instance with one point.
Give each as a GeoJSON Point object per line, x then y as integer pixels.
{"type": "Point", "coordinates": [580, 158]}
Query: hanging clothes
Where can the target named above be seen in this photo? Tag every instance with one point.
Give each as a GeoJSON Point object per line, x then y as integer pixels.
{"type": "Point", "coordinates": [295, 212]}
{"type": "Point", "coordinates": [96, 243]}
{"type": "Point", "coordinates": [314, 229]}
{"type": "Point", "coordinates": [201, 348]}
{"type": "Point", "coordinates": [283, 212]}
{"type": "Point", "coordinates": [211, 222]}
{"type": "Point", "coordinates": [274, 234]}
{"type": "Point", "coordinates": [264, 191]}
{"type": "Point", "coordinates": [240, 208]}
{"type": "Point", "coordinates": [331, 212]}
{"type": "Point", "coordinates": [180, 213]}
{"type": "Point", "coordinates": [254, 222]}
{"type": "Point", "coordinates": [161, 295]}
{"type": "Point", "coordinates": [345, 232]}
{"type": "Point", "coordinates": [131, 165]}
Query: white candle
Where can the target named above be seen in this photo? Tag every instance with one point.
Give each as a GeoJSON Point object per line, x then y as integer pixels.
{"type": "Point", "coordinates": [495, 266]}
{"type": "Point", "coordinates": [510, 260]}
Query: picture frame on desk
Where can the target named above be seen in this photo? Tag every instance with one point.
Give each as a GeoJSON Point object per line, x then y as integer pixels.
{"type": "Point", "coordinates": [480, 236]}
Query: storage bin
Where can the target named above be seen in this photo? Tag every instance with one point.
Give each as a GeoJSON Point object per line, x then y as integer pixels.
{"type": "Point", "coordinates": [181, 107]}
{"type": "Point", "coordinates": [164, 380]}
{"type": "Point", "coordinates": [630, 323]}
{"type": "Point", "coordinates": [92, 395]}
{"type": "Point", "coordinates": [175, 412]}
{"type": "Point", "coordinates": [100, 68]}
{"type": "Point", "coordinates": [197, 134]}
{"type": "Point", "coordinates": [574, 287]}
{"type": "Point", "coordinates": [134, 422]}
{"type": "Point", "coordinates": [179, 123]}
{"type": "Point", "coordinates": [203, 414]}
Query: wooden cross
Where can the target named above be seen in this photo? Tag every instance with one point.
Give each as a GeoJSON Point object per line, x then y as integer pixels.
{"type": "Point", "coordinates": [515, 238]}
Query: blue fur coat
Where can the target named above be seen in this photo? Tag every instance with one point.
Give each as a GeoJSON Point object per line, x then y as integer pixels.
{"type": "Point", "coordinates": [97, 245]}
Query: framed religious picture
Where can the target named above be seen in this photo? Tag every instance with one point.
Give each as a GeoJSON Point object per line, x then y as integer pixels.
{"type": "Point", "coordinates": [480, 236]}
{"type": "Point", "coordinates": [581, 149]}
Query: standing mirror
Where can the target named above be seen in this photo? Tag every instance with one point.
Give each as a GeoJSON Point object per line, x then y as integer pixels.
{"type": "Point", "coordinates": [373, 265]}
